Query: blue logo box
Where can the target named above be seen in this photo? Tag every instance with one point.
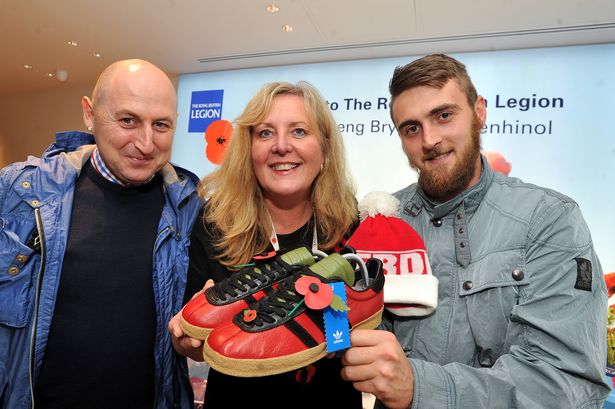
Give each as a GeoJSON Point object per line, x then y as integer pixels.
{"type": "Point", "coordinates": [205, 108]}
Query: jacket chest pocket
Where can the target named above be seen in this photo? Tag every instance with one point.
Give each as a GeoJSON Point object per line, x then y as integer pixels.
{"type": "Point", "coordinates": [18, 262]}
{"type": "Point", "coordinates": [490, 288]}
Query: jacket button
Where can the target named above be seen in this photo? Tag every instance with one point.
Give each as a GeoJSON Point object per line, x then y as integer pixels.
{"type": "Point", "coordinates": [468, 285]}
{"type": "Point", "coordinates": [517, 274]}
{"type": "Point", "coordinates": [437, 222]}
{"type": "Point", "coordinates": [25, 184]}
{"type": "Point", "coordinates": [35, 202]}
{"type": "Point", "coordinates": [21, 258]}
{"type": "Point", "coordinates": [13, 270]}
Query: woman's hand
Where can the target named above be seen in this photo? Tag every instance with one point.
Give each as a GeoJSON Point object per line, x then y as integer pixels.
{"type": "Point", "coordinates": [184, 344]}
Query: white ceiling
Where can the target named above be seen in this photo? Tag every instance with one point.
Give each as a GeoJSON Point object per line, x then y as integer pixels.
{"type": "Point", "coordinates": [183, 36]}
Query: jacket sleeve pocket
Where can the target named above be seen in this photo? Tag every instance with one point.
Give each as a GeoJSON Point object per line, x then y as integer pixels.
{"type": "Point", "coordinates": [16, 271]}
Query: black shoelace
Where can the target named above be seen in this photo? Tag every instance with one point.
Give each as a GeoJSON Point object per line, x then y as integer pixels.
{"type": "Point", "coordinates": [282, 302]}
{"type": "Point", "coordinates": [251, 277]}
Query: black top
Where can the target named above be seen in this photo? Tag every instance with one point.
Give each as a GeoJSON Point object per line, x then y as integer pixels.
{"type": "Point", "coordinates": [326, 389]}
{"type": "Point", "coordinates": [100, 351]}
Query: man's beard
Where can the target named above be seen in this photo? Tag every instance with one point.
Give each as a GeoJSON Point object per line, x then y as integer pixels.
{"type": "Point", "coordinates": [444, 184]}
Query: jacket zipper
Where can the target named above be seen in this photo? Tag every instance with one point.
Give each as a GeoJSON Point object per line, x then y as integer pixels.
{"type": "Point", "coordinates": [39, 282]}
{"type": "Point", "coordinates": [160, 236]}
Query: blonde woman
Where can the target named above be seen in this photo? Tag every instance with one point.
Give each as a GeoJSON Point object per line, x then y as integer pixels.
{"type": "Point", "coordinates": [283, 184]}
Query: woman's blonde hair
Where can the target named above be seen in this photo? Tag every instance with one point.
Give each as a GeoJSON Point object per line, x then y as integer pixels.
{"type": "Point", "coordinates": [235, 206]}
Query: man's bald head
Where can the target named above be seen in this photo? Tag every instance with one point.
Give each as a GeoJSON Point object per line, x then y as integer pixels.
{"type": "Point", "coordinates": [133, 114]}
{"type": "Point", "coordinates": [130, 70]}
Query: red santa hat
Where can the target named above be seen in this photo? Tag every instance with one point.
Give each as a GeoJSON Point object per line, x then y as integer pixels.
{"type": "Point", "coordinates": [410, 289]}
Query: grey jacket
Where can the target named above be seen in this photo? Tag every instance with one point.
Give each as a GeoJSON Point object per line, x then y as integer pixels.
{"type": "Point", "coordinates": [521, 316]}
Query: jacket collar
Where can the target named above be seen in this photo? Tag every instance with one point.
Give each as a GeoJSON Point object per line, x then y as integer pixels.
{"type": "Point", "coordinates": [179, 183]}
{"type": "Point", "coordinates": [68, 142]}
{"type": "Point", "coordinates": [470, 199]}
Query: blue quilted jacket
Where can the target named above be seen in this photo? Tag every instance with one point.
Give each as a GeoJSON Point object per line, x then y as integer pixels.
{"type": "Point", "coordinates": [37, 196]}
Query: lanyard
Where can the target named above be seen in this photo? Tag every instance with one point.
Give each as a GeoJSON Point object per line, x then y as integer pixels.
{"type": "Point", "coordinates": [276, 244]}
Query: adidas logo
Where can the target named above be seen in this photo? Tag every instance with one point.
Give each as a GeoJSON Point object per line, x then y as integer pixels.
{"type": "Point", "coordinates": [337, 337]}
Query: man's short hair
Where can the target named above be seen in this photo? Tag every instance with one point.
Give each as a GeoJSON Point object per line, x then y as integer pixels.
{"type": "Point", "coordinates": [433, 70]}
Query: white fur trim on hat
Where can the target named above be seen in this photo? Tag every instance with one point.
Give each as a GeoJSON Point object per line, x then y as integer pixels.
{"type": "Point", "coordinates": [375, 203]}
{"type": "Point", "coordinates": [411, 295]}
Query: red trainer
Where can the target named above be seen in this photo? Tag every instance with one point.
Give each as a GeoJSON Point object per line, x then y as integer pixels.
{"type": "Point", "coordinates": [218, 304]}
{"type": "Point", "coordinates": [281, 334]}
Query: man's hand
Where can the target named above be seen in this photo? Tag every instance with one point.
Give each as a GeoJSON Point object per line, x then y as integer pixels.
{"type": "Point", "coordinates": [376, 364]}
{"type": "Point", "coordinates": [184, 344]}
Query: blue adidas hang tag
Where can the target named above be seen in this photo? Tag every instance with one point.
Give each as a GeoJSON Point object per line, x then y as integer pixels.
{"type": "Point", "coordinates": [337, 328]}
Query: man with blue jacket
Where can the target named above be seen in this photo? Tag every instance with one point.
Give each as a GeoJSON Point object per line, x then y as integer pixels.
{"type": "Point", "coordinates": [93, 255]}
{"type": "Point", "coordinates": [521, 316]}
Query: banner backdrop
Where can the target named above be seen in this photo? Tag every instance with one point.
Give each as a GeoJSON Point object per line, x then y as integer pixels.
{"type": "Point", "coordinates": [549, 115]}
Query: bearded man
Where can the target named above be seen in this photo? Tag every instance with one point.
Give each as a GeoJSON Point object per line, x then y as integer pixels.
{"type": "Point", "coordinates": [521, 313]}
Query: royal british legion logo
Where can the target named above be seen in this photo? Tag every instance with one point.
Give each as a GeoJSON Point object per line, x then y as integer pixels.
{"type": "Point", "coordinates": [205, 108]}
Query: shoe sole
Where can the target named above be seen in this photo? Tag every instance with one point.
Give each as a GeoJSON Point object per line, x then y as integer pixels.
{"type": "Point", "coordinates": [248, 368]}
{"type": "Point", "coordinates": [194, 331]}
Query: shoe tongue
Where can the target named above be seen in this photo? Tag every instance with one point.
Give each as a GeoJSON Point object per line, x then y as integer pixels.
{"type": "Point", "coordinates": [335, 267]}
{"type": "Point", "coordinates": [300, 256]}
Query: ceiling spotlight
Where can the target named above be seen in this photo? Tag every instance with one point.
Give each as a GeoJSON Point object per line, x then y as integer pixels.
{"type": "Point", "coordinates": [72, 43]}
{"type": "Point", "coordinates": [97, 55]}
{"type": "Point", "coordinates": [49, 74]}
{"type": "Point", "coordinates": [272, 8]}
{"type": "Point", "coordinates": [27, 67]}
{"type": "Point", "coordinates": [61, 75]}
{"type": "Point", "coordinates": [287, 28]}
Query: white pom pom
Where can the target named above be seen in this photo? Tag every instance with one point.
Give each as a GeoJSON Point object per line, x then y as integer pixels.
{"type": "Point", "coordinates": [375, 203]}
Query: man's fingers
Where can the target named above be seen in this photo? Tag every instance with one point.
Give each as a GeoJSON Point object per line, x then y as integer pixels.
{"type": "Point", "coordinates": [370, 337]}
{"type": "Point", "coordinates": [369, 346]}
{"type": "Point", "coordinates": [357, 373]}
{"type": "Point", "coordinates": [364, 386]}
{"type": "Point", "coordinates": [359, 356]}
